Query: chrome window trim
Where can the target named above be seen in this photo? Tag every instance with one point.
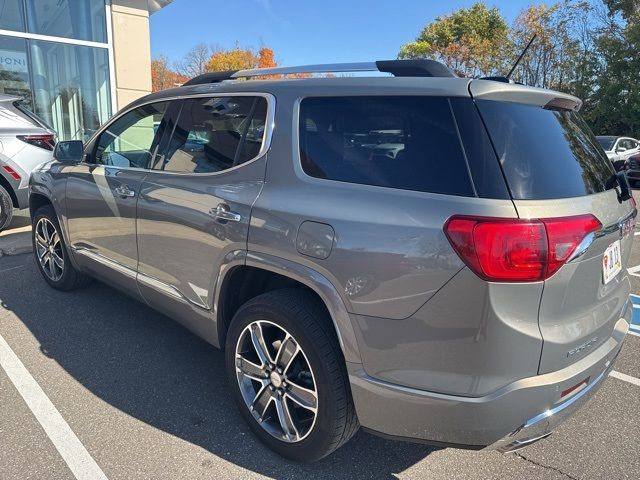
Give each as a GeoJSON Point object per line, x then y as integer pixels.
{"type": "Point", "coordinates": [266, 136]}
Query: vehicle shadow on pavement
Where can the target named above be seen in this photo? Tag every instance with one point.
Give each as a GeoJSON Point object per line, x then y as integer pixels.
{"type": "Point", "coordinates": [151, 368]}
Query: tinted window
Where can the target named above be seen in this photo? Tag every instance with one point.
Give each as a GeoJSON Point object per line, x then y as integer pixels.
{"type": "Point", "coordinates": [400, 142]}
{"type": "Point", "coordinates": [214, 134]}
{"type": "Point", "coordinates": [545, 153]}
{"type": "Point", "coordinates": [131, 140]}
{"type": "Point", "coordinates": [481, 158]}
{"type": "Point", "coordinates": [606, 142]}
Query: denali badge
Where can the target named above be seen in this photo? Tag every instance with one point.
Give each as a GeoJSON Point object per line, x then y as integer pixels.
{"type": "Point", "coordinates": [579, 348]}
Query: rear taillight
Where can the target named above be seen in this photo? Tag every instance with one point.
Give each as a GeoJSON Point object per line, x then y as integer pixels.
{"type": "Point", "coordinates": [48, 142]}
{"type": "Point", "coordinates": [15, 175]}
{"type": "Point", "coordinates": [515, 250]}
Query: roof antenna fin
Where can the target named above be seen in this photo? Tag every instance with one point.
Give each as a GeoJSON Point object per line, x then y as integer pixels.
{"type": "Point", "coordinates": [521, 55]}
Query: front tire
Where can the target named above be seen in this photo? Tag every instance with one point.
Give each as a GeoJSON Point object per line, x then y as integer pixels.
{"type": "Point", "coordinates": [52, 255]}
{"type": "Point", "coordinates": [6, 208]}
{"type": "Point", "coordinates": [288, 377]}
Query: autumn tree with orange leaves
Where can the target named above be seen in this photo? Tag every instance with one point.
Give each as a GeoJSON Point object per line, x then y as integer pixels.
{"type": "Point", "coordinates": [241, 59]}
{"type": "Point", "coordinates": [163, 76]}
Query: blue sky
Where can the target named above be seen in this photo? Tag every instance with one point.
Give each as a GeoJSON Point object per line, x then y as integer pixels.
{"type": "Point", "coordinates": [303, 31]}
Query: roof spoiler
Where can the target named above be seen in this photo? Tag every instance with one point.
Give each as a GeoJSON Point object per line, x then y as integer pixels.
{"type": "Point", "coordinates": [489, 89]}
{"type": "Point", "coordinates": [398, 68]}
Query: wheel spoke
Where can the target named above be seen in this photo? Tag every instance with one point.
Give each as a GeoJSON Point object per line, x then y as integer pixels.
{"type": "Point", "coordinates": [58, 260]}
{"type": "Point", "coordinates": [55, 239]}
{"type": "Point", "coordinates": [250, 369]}
{"type": "Point", "coordinates": [257, 338]}
{"type": "Point", "coordinates": [286, 353]}
{"type": "Point", "coordinates": [42, 251]}
{"type": "Point", "coordinates": [40, 239]}
{"type": "Point", "coordinates": [286, 422]}
{"type": "Point", "coordinates": [302, 396]}
{"type": "Point", "coordinates": [262, 401]}
{"type": "Point", "coordinates": [52, 273]}
{"type": "Point", "coordinates": [45, 232]}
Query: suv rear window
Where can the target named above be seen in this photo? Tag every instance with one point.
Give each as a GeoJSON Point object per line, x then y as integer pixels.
{"type": "Point", "coordinates": [544, 153]}
{"type": "Point", "coordinates": [400, 142]}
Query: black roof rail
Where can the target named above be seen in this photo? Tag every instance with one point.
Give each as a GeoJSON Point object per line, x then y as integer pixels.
{"type": "Point", "coordinates": [398, 68]}
{"type": "Point", "coordinates": [414, 68]}
{"type": "Point", "coordinates": [210, 77]}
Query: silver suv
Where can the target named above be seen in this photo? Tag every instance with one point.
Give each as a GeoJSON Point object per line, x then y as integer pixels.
{"type": "Point", "coordinates": [468, 289]}
{"type": "Point", "coordinates": [25, 143]}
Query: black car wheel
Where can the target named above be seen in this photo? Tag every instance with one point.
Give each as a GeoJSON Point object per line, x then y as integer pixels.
{"type": "Point", "coordinates": [288, 376]}
{"type": "Point", "coordinates": [51, 252]}
{"type": "Point", "coordinates": [6, 208]}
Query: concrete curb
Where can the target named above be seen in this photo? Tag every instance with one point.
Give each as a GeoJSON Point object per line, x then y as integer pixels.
{"type": "Point", "coordinates": [15, 244]}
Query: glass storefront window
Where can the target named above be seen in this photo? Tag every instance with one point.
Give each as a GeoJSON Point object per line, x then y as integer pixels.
{"type": "Point", "coordinates": [71, 88]}
{"type": "Point", "coordinates": [79, 19]}
{"type": "Point", "coordinates": [12, 15]}
{"type": "Point", "coordinates": [14, 68]}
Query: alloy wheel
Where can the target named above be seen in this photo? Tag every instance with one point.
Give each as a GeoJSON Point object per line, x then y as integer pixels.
{"type": "Point", "coordinates": [276, 381]}
{"type": "Point", "coordinates": [49, 249]}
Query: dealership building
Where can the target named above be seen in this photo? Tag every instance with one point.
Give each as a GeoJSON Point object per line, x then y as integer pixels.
{"type": "Point", "coordinates": [76, 62]}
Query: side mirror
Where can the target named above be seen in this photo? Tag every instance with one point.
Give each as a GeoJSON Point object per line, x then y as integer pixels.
{"type": "Point", "coordinates": [621, 150]}
{"type": "Point", "coordinates": [69, 152]}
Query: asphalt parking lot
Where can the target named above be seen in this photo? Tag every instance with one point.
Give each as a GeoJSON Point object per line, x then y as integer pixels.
{"type": "Point", "coordinates": [126, 393]}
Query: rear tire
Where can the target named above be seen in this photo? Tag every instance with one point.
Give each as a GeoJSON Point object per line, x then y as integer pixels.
{"type": "Point", "coordinates": [52, 255]}
{"type": "Point", "coordinates": [298, 320]}
{"type": "Point", "coordinates": [6, 208]}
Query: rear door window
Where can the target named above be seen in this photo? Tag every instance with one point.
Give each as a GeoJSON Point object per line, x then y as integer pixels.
{"type": "Point", "coordinates": [544, 153]}
{"type": "Point", "coordinates": [212, 134]}
{"type": "Point", "coordinates": [400, 142]}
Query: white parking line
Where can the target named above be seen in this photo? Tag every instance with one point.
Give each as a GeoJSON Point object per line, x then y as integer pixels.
{"type": "Point", "coordinates": [634, 271]}
{"type": "Point", "coordinates": [625, 378]}
{"type": "Point", "coordinates": [58, 431]}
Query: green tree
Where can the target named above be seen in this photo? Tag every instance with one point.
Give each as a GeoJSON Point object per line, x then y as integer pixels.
{"type": "Point", "coordinates": [471, 41]}
{"type": "Point", "coordinates": [616, 108]}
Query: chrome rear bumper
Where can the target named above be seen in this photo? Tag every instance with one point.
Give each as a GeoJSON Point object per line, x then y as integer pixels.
{"type": "Point", "coordinates": [541, 426]}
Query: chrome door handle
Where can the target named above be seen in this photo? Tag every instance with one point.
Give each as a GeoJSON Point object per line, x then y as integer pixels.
{"type": "Point", "coordinates": [125, 191]}
{"type": "Point", "coordinates": [222, 212]}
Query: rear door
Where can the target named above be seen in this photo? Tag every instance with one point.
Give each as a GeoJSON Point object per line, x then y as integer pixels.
{"type": "Point", "coordinates": [195, 203]}
{"type": "Point", "coordinates": [555, 168]}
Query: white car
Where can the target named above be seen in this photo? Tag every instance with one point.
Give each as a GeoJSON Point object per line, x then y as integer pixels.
{"type": "Point", "coordinates": [25, 143]}
{"type": "Point", "coordinates": [619, 149]}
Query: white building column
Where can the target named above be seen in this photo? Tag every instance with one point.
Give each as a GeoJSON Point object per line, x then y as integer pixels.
{"type": "Point", "coordinates": [131, 45]}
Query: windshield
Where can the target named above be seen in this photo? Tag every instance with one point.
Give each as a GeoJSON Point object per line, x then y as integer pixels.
{"type": "Point", "coordinates": [545, 153]}
{"type": "Point", "coordinates": [606, 143]}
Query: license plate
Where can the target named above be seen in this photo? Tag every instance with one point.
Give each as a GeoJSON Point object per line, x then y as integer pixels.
{"type": "Point", "coordinates": [611, 262]}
